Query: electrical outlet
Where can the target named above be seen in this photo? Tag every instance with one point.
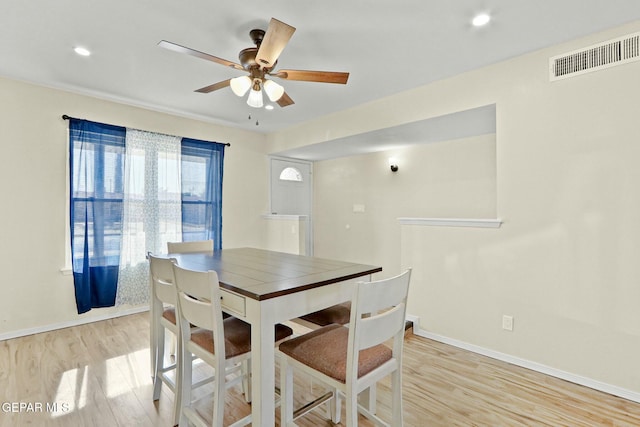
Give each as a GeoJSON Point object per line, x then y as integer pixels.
{"type": "Point", "coordinates": [507, 323]}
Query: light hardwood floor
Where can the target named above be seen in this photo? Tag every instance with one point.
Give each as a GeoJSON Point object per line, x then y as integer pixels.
{"type": "Point", "coordinates": [98, 375]}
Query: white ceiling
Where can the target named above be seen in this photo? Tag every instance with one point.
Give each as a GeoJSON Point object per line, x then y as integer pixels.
{"type": "Point", "coordinates": [387, 46]}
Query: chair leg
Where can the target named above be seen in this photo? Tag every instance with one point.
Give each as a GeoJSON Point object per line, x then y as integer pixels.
{"type": "Point", "coordinates": [186, 378]}
{"type": "Point", "coordinates": [177, 389]}
{"type": "Point", "coordinates": [245, 371]}
{"type": "Point", "coordinates": [218, 401]}
{"type": "Point", "coordinates": [335, 407]}
{"type": "Point", "coordinates": [159, 362]}
{"type": "Point", "coordinates": [396, 399]}
{"type": "Point", "coordinates": [367, 398]}
{"type": "Point", "coordinates": [153, 340]}
{"type": "Point", "coordinates": [286, 394]}
{"type": "Point", "coordinates": [352, 409]}
{"type": "Point", "coordinates": [172, 348]}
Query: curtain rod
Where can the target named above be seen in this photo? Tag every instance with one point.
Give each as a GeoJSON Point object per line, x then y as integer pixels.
{"type": "Point", "coordinates": [65, 117]}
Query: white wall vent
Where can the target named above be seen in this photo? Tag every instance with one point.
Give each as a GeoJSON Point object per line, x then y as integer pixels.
{"type": "Point", "coordinates": [607, 54]}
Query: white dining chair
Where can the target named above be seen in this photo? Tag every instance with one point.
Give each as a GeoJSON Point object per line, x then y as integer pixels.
{"type": "Point", "coordinates": [190, 247]}
{"type": "Point", "coordinates": [186, 248]}
{"type": "Point", "coordinates": [352, 359]}
{"type": "Point", "coordinates": [163, 318]}
{"type": "Point", "coordinates": [206, 246]}
{"type": "Point", "coordinates": [224, 344]}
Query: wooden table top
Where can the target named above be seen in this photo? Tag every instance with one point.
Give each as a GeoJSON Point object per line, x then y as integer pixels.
{"type": "Point", "coordinates": [260, 274]}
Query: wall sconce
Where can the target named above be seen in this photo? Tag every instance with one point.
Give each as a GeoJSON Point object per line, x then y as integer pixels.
{"type": "Point", "coordinates": [393, 164]}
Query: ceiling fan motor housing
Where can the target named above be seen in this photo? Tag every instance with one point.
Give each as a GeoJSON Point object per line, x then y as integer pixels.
{"type": "Point", "coordinates": [257, 35]}
{"type": "Point", "coordinates": [247, 57]}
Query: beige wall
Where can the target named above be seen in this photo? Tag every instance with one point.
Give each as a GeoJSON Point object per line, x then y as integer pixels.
{"type": "Point", "coordinates": [33, 140]}
{"type": "Point", "coordinates": [285, 233]}
{"type": "Point", "coordinates": [448, 179]}
{"type": "Point", "coordinates": [565, 261]}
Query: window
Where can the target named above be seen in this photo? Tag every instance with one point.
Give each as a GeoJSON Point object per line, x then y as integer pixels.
{"type": "Point", "coordinates": [131, 191]}
{"type": "Point", "coordinates": [202, 168]}
{"type": "Point", "coordinates": [290, 174]}
{"type": "Point", "coordinates": [98, 191]}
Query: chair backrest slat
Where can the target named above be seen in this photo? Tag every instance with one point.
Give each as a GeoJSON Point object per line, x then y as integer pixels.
{"type": "Point", "coordinates": [189, 247]}
{"type": "Point", "coordinates": [195, 283]}
{"type": "Point", "coordinates": [198, 313]}
{"type": "Point", "coordinates": [383, 294]}
{"type": "Point", "coordinates": [379, 328]}
{"type": "Point", "coordinates": [161, 271]}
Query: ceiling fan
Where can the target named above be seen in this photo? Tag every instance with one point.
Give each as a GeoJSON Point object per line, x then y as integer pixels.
{"type": "Point", "coordinates": [259, 62]}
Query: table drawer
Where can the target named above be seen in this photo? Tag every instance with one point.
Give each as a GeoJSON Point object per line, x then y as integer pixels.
{"type": "Point", "coordinates": [232, 302]}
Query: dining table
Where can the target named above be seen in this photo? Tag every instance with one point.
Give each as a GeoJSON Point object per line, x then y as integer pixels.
{"type": "Point", "coordinates": [263, 288]}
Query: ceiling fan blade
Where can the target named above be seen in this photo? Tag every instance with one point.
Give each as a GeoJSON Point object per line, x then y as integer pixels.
{"type": "Point", "coordinates": [285, 100]}
{"type": "Point", "coordinates": [274, 41]}
{"type": "Point", "coordinates": [313, 76]}
{"type": "Point", "coordinates": [214, 86]}
{"type": "Point", "coordinates": [181, 49]}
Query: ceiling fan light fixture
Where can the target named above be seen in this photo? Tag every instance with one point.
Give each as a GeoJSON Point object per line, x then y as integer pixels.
{"type": "Point", "coordinates": [240, 85]}
{"type": "Point", "coordinates": [255, 97]}
{"type": "Point", "coordinates": [274, 90]}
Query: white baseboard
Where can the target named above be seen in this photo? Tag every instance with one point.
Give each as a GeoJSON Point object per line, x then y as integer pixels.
{"type": "Point", "coordinates": [70, 323]}
{"type": "Point", "coordinates": [557, 373]}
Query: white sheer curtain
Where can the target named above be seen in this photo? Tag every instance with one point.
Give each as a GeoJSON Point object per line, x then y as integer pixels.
{"type": "Point", "coordinates": [152, 209]}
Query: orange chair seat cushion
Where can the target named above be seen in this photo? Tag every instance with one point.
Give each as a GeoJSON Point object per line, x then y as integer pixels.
{"type": "Point", "coordinates": [339, 313]}
{"type": "Point", "coordinates": [237, 336]}
{"type": "Point", "coordinates": [170, 314]}
{"type": "Point", "coordinates": [325, 350]}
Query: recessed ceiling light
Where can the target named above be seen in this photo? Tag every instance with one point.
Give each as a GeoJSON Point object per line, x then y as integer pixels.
{"type": "Point", "coordinates": [481, 19]}
{"type": "Point", "coordinates": [268, 107]}
{"type": "Point", "coordinates": [82, 51]}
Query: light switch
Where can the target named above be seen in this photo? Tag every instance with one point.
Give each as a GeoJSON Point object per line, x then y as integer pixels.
{"type": "Point", "coordinates": [357, 208]}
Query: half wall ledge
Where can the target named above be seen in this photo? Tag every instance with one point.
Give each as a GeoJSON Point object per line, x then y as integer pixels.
{"type": "Point", "coordinates": [452, 222]}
